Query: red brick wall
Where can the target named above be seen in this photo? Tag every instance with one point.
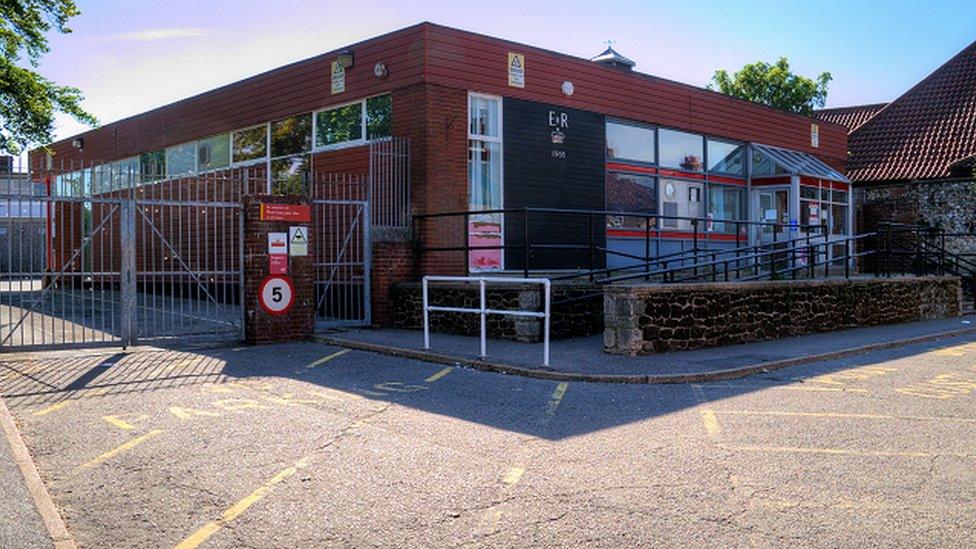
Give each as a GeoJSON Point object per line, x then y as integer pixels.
{"type": "Point", "coordinates": [299, 322]}
{"type": "Point", "coordinates": [351, 160]}
{"type": "Point", "coordinates": [392, 263]}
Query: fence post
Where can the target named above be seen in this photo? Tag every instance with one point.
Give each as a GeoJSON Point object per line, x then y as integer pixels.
{"type": "Point", "coordinates": [426, 317]}
{"type": "Point", "coordinates": [484, 318]}
{"type": "Point", "coordinates": [647, 246]}
{"type": "Point", "coordinates": [467, 243]}
{"type": "Point", "coordinates": [592, 251]}
{"type": "Point", "coordinates": [525, 242]}
{"type": "Point", "coordinates": [694, 226]}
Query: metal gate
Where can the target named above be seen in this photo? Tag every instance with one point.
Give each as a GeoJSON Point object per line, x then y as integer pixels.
{"type": "Point", "coordinates": [122, 257]}
{"type": "Point", "coordinates": [341, 242]}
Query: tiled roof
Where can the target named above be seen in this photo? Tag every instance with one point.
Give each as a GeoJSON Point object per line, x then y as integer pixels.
{"type": "Point", "coordinates": [850, 117]}
{"type": "Point", "coordinates": [923, 132]}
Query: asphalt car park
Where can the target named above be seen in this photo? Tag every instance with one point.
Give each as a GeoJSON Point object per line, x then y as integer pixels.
{"type": "Point", "coordinates": [306, 444]}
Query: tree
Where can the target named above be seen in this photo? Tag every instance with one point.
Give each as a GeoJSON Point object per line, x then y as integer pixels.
{"type": "Point", "coordinates": [28, 101]}
{"type": "Point", "coordinates": [774, 85]}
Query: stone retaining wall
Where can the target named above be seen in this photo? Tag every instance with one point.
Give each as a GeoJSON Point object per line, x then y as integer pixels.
{"type": "Point", "coordinates": [643, 319]}
{"type": "Point", "coordinates": [582, 316]}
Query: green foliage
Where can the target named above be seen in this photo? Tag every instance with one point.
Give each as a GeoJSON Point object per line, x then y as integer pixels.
{"type": "Point", "coordinates": [774, 85]}
{"type": "Point", "coordinates": [28, 101]}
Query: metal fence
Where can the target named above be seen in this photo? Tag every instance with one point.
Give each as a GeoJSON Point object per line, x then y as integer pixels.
{"type": "Point", "coordinates": [341, 249]}
{"type": "Point", "coordinates": [126, 256]}
{"type": "Point", "coordinates": [389, 182]}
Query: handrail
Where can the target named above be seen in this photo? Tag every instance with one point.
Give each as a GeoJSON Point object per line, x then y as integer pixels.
{"type": "Point", "coordinates": [484, 311]}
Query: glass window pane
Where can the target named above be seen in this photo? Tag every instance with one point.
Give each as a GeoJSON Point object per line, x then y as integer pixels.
{"type": "Point", "coordinates": [290, 174]}
{"type": "Point", "coordinates": [379, 117]}
{"type": "Point", "coordinates": [838, 219]}
{"type": "Point", "coordinates": [483, 117]}
{"type": "Point", "coordinates": [484, 175]}
{"type": "Point", "coordinates": [292, 135]}
{"type": "Point", "coordinates": [726, 203]}
{"type": "Point", "coordinates": [153, 165]}
{"type": "Point", "coordinates": [680, 150]}
{"type": "Point", "coordinates": [726, 157]}
{"type": "Point", "coordinates": [630, 193]}
{"type": "Point", "coordinates": [808, 192]}
{"type": "Point", "coordinates": [840, 196]}
{"type": "Point", "coordinates": [181, 159]}
{"type": "Point", "coordinates": [213, 153]}
{"type": "Point", "coordinates": [126, 173]}
{"type": "Point", "coordinates": [251, 144]}
{"type": "Point", "coordinates": [339, 125]}
{"type": "Point", "coordinates": [681, 199]}
{"type": "Point", "coordinates": [763, 164]}
{"type": "Point", "coordinates": [628, 142]}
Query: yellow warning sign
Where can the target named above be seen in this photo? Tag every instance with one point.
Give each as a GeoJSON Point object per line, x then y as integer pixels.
{"type": "Point", "coordinates": [516, 70]}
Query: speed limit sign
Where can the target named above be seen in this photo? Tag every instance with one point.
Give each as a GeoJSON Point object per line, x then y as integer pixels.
{"type": "Point", "coordinates": [277, 295]}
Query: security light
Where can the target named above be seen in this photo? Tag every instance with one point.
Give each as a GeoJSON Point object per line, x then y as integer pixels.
{"type": "Point", "coordinates": [346, 59]}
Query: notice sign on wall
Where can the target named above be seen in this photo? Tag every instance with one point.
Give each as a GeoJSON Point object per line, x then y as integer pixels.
{"type": "Point", "coordinates": [301, 213]}
{"type": "Point", "coordinates": [815, 135]}
{"type": "Point", "coordinates": [516, 70]}
{"type": "Point", "coordinates": [338, 78]}
{"type": "Point", "coordinates": [298, 241]}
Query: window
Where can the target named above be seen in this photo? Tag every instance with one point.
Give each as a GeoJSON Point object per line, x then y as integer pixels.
{"type": "Point", "coordinates": [126, 173]}
{"type": "Point", "coordinates": [379, 117]}
{"type": "Point", "coordinates": [680, 150]}
{"type": "Point", "coordinates": [724, 157]}
{"type": "Point", "coordinates": [181, 160]}
{"type": "Point", "coordinates": [292, 135]}
{"type": "Point", "coordinates": [821, 205]}
{"type": "Point", "coordinates": [289, 174]}
{"type": "Point", "coordinates": [727, 203]}
{"type": "Point", "coordinates": [213, 153]}
{"type": "Point", "coordinates": [681, 199]}
{"type": "Point", "coordinates": [250, 144]}
{"type": "Point", "coordinates": [339, 125]}
{"type": "Point", "coordinates": [153, 165]}
{"type": "Point", "coordinates": [630, 142]}
{"type": "Point", "coordinates": [630, 193]}
{"type": "Point", "coordinates": [372, 118]}
{"type": "Point", "coordinates": [484, 180]}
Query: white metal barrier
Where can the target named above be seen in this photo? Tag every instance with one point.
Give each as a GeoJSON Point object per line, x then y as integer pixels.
{"type": "Point", "coordinates": [484, 311]}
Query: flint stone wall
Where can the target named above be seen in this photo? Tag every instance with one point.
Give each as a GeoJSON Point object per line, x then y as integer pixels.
{"type": "Point", "coordinates": [579, 317]}
{"type": "Point", "coordinates": [644, 319]}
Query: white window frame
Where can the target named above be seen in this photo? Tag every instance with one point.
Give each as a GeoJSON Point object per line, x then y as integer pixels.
{"type": "Point", "coordinates": [501, 166]}
{"type": "Point", "coordinates": [363, 122]}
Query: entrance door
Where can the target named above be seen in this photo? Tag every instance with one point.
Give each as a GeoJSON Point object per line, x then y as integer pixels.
{"type": "Point", "coordinates": [774, 207]}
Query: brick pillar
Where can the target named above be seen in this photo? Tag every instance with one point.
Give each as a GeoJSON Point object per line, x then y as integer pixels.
{"type": "Point", "coordinates": [392, 263]}
{"type": "Point", "coordinates": [299, 322]}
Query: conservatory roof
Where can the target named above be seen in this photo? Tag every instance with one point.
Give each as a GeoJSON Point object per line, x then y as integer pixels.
{"type": "Point", "coordinates": [798, 163]}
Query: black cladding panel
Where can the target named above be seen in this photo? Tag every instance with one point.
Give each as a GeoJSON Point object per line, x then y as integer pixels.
{"type": "Point", "coordinates": [554, 158]}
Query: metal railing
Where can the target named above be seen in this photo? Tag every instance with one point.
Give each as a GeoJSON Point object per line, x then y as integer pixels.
{"type": "Point", "coordinates": [699, 231]}
{"type": "Point", "coordinates": [483, 310]}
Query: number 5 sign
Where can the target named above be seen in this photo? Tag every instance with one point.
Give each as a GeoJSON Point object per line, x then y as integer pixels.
{"type": "Point", "coordinates": [277, 295]}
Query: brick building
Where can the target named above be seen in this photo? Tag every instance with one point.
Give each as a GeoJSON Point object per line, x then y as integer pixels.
{"type": "Point", "coordinates": [912, 160]}
{"type": "Point", "coordinates": [628, 164]}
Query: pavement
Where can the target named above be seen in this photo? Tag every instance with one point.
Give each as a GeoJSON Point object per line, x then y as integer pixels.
{"type": "Point", "coordinates": [313, 445]}
{"type": "Point", "coordinates": [21, 524]}
{"type": "Point", "coordinates": [583, 359]}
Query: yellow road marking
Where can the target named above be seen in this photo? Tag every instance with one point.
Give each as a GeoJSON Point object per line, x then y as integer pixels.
{"type": "Point", "coordinates": [841, 415]}
{"type": "Point", "coordinates": [711, 422]}
{"type": "Point", "coordinates": [121, 423]}
{"type": "Point", "coordinates": [757, 387]}
{"type": "Point", "coordinates": [332, 394]}
{"type": "Point", "coordinates": [325, 359]}
{"type": "Point", "coordinates": [843, 451]}
{"type": "Point", "coordinates": [51, 408]}
{"type": "Point", "coordinates": [238, 508]}
{"type": "Point", "coordinates": [557, 397]}
{"type": "Point", "coordinates": [123, 448]}
{"type": "Point", "coordinates": [439, 375]}
{"type": "Point", "coordinates": [513, 475]}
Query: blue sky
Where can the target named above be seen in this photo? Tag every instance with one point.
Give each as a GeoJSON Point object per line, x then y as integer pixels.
{"type": "Point", "coordinates": [129, 56]}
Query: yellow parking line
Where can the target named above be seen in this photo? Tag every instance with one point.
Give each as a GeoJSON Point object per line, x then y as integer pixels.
{"type": "Point", "coordinates": [51, 408]}
{"type": "Point", "coordinates": [513, 475]}
{"type": "Point", "coordinates": [439, 375]}
{"type": "Point", "coordinates": [843, 451]}
{"type": "Point", "coordinates": [842, 415]}
{"type": "Point", "coordinates": [238, 508]}
{"type": "Point", "coordinates": [711, 422]}
{"type": "Point", "coordinates": [123, 448]}
{"type": "Point", "coordinates": [557, 397]}
{"type": "Point", "coordinates": [326, 358]}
